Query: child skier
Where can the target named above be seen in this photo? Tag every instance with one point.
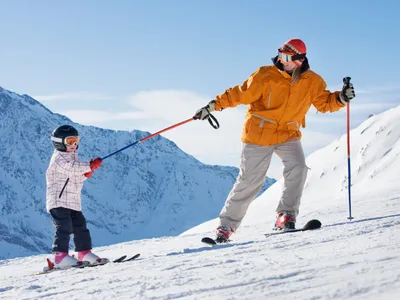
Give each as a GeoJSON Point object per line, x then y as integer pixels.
{"type": "Point", "coordinates": [64, 178]}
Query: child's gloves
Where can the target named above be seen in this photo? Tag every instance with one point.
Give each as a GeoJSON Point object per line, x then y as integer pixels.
{"type": "Point", "coordinates": [88, 174]}
{"type": "Point", "coordinates": [95, 163]}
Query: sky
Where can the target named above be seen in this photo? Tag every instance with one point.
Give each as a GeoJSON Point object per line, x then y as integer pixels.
{"type": "Point", "coordinates": [355, 260]}
{"type": "Point", "coordinates": [146, 65]}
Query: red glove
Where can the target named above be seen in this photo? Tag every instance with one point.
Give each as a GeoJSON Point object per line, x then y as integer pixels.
{"type": "Point", "coordinates": [95, 163]}
{"type": "Point", "coordinates": [88, 174]}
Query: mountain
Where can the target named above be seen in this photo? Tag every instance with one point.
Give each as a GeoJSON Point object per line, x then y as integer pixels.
{"type": "Point", "coordinates": [355, 260]}
{"type": "Point", "coordinates": [150, 190]}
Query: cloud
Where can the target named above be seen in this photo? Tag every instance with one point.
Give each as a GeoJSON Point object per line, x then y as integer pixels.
{"type": "Point", "coordinates": [198, 138]}
{"type": "Point", "coordinates": [83, 96]}
{"type": "Point", "coordinates": [381, 89]}
{"type": "Point", "coordinates": [371, 107]}
{"type": "Point", "coordinates": [96, 117]}
{"type": "Point", "coordinates": [371, 90]}
{"type": "Point", "coordinates": [168, 104]}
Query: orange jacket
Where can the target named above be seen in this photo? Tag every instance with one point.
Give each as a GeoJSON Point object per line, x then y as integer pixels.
{"type": "Point", "coordinates": [277, 108]}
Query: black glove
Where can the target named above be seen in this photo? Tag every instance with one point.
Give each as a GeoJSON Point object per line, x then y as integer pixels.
{"type": "Point", "coordinates": [347, 93]}
{"type": "Point", "coordinates": [204, 112]}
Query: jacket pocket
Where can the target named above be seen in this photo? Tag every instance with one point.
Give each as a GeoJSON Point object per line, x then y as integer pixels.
{"type": "Point", "coordinates": [292, 130]}
{"type": "Point", "coordinates": [292, 126]}
{"type": "Point", "coordinates": [257, 127]}
{"type": "Point", "coordinates": [253, 131]}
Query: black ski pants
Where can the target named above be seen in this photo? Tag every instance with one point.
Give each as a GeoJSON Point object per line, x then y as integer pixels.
{"type": "Point", "coordinates": [67, 222]}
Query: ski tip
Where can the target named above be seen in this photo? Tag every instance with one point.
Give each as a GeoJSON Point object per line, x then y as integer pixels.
{"type": "Point", "coordinates": [119, 259]}
{"type": "Point", "coordinates": [50, 265]}
{"type": "Point", "coordinates": [134, 257]}
{"type": "Point", "coordinates": [208, 241]}
{"type": "Point", "coordinates": [312, 224]}
{"type": "Point", "coordinates": [125, 259]}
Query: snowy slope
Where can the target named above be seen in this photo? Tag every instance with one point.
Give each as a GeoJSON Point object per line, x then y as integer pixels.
{"type": "Point", "coordinates": [357, 259]}
{"type": "Point", "coordinates": [152, 189]}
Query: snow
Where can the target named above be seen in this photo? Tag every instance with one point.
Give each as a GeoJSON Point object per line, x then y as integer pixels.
{"type": "Point", "coordinates": [358, 259]}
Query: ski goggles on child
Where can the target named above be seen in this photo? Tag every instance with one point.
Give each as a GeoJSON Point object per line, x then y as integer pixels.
{"type": "Point", "coordinates": [71, 140]}
{"type": "Point", "coordinates": [285, 57]}
{"type": "Point", "coordinates": [68, 141]}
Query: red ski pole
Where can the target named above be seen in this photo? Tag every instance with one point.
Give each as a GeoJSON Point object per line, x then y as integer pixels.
{"type": "Point", "coordinates": [346, 81]}
{"type": "Point", "coordinates": [216, 126]}
{"type": "Point", "coordinates": [148, 137]}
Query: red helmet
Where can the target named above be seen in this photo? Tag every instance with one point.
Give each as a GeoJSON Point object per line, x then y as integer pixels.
{"type": "Point", "coordinates": [293, 50]}
{"type": "Point", "coordinates": [295, 46]}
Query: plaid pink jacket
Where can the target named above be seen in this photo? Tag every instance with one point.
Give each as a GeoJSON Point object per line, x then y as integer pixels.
{"type": "Point", "coordinates": [64, 179]}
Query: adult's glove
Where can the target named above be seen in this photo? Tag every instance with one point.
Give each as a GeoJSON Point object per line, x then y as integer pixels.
{"type": "Point", "coordinates": [95, 163]}
{"type": "Point", "coordinates": [347, 93]}
{"type": "Point", "coordinates": [204, 112]}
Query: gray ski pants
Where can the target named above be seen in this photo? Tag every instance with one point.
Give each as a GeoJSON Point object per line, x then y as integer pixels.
{"type": "Point", "coordinates": [255, 161]}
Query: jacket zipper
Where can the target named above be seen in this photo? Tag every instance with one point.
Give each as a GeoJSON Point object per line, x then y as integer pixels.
{"type": "Point", "coordinates": [62, 191]}
{"type": "Point", "coordinates": [269, 97]}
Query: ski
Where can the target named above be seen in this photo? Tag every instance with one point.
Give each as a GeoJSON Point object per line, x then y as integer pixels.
{"type": "Point", "coordinates": [101, 262]}
{"type": "Point", "coordinates": [125, 259]}
{"type": "Point", "coordinates": [310, 225]}
{"type": "Point", "coordinates": [210, 241]}
{"type": "Point", "coordinates": [132, 258]}
{"type": "Point", "coordinates": [119, 259]}
{"type": "Point", "coordinates": [50, 268]}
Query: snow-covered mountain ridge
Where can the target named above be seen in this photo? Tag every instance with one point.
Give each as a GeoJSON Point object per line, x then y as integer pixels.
{"type": "Point", "coordinates": [150, 190]}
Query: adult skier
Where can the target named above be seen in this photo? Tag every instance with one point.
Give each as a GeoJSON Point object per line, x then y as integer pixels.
{"type": "Point", "coordinates": [278, 97]}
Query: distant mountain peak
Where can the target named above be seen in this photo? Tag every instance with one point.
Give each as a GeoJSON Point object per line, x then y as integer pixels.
{"type": "Point", "coordinates": [150, 190]}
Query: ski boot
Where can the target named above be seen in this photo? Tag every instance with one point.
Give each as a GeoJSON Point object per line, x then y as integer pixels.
{"type": "Point", "coordinates": [62, 260]}
{"type": "Point", "coordinates": [91, 258]}
{"type": "Point", "coordinates": [285, 221]}
{"type": "Point", "coordinates": [223, 234]}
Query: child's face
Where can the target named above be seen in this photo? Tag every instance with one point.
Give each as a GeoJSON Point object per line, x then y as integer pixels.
{"type": "Point", "coordinates": [71, 142]}
{"type": "Point", "coordinates": [72, 148]}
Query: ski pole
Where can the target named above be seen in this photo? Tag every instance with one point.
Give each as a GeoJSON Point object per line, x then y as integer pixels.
{"type": "Point", "coordinates": [161, 131]}
{"type": "Point", "coordinates": [148, 137]}
{"type": "Point", "coordinates": [346, 81]}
